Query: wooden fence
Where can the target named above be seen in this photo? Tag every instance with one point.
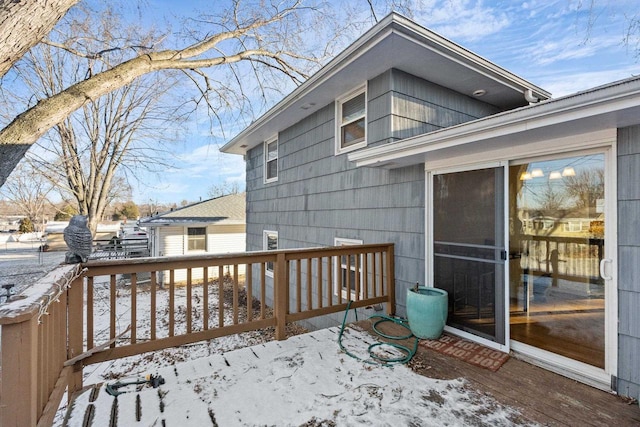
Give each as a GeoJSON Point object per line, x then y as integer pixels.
{"type": "Point", "coordinates": [116, 308]}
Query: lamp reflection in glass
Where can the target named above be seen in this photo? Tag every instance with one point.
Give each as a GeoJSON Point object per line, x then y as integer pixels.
{"type": "Point", "coordinates": [555, 175]}
{"type": "Point", "coordinates": [537, 173]}
{"type": "Point", "coordinates": [525, 176]}
{"type": "Point", "coordinates": [569, 171]}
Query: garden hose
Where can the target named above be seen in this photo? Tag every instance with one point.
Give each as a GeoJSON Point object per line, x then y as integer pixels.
{"type": "Point", "coordinates": [407, 352]}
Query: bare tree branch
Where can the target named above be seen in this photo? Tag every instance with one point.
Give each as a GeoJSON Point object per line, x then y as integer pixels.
{"type": "Point", "coordinates": [97, 55]}
{"type": "Point", "coordinates": [29, 126]}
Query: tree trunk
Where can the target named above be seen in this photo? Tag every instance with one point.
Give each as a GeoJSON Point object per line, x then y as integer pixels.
{"type": "Point", "coordinates": [23, 23]}
{"type": "Point", "coordinates": [27, 127]}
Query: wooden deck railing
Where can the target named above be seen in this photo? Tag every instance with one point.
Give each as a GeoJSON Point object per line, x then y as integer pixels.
{"type": "Point", "coordinates": [34, 350]}
{"type": "Point", "coordinates": [119, 308]}
{"type": "Point", "coordinates": [575, 259]}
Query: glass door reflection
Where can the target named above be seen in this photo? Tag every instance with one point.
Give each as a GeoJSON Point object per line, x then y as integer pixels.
{"type": "Point", "coordinates": [556, 227]}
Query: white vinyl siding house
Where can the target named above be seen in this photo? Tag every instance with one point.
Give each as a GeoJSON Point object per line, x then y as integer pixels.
{"type": "Point", "coordinates": [215, 226]}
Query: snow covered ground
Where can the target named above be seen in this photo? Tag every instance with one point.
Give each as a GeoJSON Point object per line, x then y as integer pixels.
{"type": "Point", "coordinates": [303, 381]}
{"type": "Point", "coordinates": [248, 379]}
{"type": "Point", "coordinates": [22, 264]}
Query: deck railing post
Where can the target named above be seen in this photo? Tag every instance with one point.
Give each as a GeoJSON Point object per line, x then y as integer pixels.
{"type": "Point", "coordinates": [280, 283]}
{"type": "Point", "coordinates": [19, 406]}
{"type": "Point", "coordinates": [75, 314]}
{"type": "Point", "coordinates": [391, 282]}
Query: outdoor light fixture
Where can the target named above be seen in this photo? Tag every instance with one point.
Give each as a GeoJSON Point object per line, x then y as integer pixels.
{"type": "Point", "coordinates": [480, 92]}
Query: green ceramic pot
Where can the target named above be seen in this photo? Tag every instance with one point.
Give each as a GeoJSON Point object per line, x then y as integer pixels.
{"type": "Point", "coordinates": [427, 311]}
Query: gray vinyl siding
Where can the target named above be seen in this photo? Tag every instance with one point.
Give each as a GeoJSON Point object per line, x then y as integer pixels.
{"type": "Point", "coordinates": [402, 105]}
{"type": "Point", "coordinates": [628, 266]}
{"type": "Point", "coordinates": [320, 196]}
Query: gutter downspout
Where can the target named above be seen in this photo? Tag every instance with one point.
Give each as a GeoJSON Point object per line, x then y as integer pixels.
{"type": "Point", "coordinates": [530, 97]}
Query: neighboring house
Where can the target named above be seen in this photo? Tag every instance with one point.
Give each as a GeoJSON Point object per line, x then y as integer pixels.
{"type": "Point", "coordinates": [215, 226]}
{"type": "Point", "coordinates": [407, 137]}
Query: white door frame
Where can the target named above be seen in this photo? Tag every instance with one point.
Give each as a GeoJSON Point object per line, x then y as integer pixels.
{"type": "Point", "coordinates": [602, 142]}
{"type": "Point", "coordinates": [429, 267]}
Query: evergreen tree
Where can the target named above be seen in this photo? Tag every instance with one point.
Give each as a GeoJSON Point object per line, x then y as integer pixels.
{"type": "Point", "coordinates": [26, 225]}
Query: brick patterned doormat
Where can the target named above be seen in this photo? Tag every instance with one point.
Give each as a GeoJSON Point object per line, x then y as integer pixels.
{"type": "Point", "coordinates": [467, 351]}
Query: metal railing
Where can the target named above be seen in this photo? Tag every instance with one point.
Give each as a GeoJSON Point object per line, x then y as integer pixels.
{"type": "Point", "coordinates": [119, 248]}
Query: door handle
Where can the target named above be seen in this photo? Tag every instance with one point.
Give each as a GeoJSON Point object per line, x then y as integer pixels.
{"type": "Point", "coordinates": [603, 263]}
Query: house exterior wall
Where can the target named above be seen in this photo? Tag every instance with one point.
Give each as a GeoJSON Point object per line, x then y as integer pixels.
{"type": "Point", "coordinates": [420, 106]}
{"type": "Point", "coordinates": [226, 239]}
{"type": "Point", "coordinates": [320, 196]}
{"type": "Point", "coordinates": [220, 239]}
{"type": "Point", "coordinates": [628, 267]}
{"type": "Point", "coordinates": [171, 241]}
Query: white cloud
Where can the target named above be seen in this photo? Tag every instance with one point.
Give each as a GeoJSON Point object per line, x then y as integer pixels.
{"type": "Point", "coordinates": [464, 20]}
{"type": "Point", "coordinates": [193, 174]}
{"type": "Point", "coordinates": [567, 83]}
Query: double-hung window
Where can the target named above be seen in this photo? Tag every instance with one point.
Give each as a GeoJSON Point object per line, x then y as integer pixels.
{"type": "Point", "coordinates": [270, 243]}
{"type": "Point", "coordinates": [351, 121]}
{"type": "Point", "coordinates": [197, 238]}
{"type": "Point", "coordinates": [271, 160]}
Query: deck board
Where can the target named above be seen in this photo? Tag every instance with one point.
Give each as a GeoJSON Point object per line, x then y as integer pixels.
{"type": "Point", "coordinates": [541, 396]}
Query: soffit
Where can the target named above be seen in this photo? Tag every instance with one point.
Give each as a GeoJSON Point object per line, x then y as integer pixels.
{"type": "Point", "coordinates": [396, 43]}
{"type": "Point", "coordinates": [608, 107]}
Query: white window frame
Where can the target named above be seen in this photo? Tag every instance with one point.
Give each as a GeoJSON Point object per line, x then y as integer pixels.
{"type": "Point", "coordinates": [340, 266]}
{"type": "Point", "coordinates": [339, 149]}
{"type": "Point", "coordinates": [267, 161]}
{"type": "Point", "coordinates": [200, 237]}
{"type": "Point", "coordinates": [265, 246]}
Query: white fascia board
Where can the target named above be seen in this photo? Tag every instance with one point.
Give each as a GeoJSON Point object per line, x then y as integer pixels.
{"type": "Point", "coordinates": [616, 97]}
{"type": "Point", "coordinates": [353, 51]}
{"type": "Point", "coordinates": [390, 25]}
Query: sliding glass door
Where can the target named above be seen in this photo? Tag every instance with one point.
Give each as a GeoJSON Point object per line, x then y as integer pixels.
{"type": "Point", "coordinates": [557, 247]}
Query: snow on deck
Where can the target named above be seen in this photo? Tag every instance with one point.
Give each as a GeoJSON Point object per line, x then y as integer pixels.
{"type": "Point", "coordinates": [305, 380]}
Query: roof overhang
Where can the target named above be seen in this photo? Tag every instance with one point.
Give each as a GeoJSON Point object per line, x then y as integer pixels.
{"type": "Point", "coordinates": [610, 106]}
{"type": "Point", "coordinates": [395, 42]}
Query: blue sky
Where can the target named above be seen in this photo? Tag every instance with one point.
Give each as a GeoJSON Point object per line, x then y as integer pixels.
{"type": "Point", "coordinates": [559, 45]}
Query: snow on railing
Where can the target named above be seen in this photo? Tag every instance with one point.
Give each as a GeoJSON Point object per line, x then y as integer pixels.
{"type": "Point", "coordinates": [34, 349]}
{"type": "Point", "coordinates": [107, 309]}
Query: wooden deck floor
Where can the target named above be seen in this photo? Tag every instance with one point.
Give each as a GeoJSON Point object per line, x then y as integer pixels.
{"type": "Point", "coordinates": [541, 396]}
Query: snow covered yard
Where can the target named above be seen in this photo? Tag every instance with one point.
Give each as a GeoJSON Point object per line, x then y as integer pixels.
{"type": "Point", "coordinates": [305, 380]}
{"type": "Point", "coordinates": [22, 264]}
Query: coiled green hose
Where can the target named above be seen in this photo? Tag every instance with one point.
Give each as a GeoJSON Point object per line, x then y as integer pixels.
{"type": "Point", "coordinates": [407, 352]}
